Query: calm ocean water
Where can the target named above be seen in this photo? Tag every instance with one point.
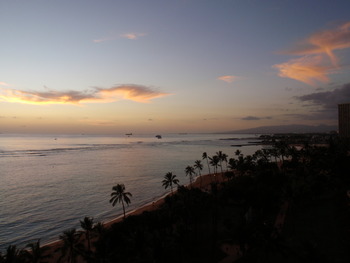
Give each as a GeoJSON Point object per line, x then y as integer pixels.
{"type": "Point", "coordinates": [48, 183]}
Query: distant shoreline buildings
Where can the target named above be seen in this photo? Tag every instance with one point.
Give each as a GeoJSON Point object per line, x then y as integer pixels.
{"type": "Point", "coordinates": [344, 119]}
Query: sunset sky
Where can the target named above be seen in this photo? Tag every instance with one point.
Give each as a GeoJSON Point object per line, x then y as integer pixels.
{"type": "Point", "coordinates": [145, 66]}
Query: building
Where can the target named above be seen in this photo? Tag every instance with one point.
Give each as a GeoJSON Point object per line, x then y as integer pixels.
{"type": "Point", "coordinates": [344, 119]}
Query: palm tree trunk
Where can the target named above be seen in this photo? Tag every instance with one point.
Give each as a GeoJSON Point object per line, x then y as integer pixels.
{"type": "Point", "coordinates": [88, 240]}
{"type": "Point", "coordinates": [221, 168]}
{"type": "Point", "coordinates": [208, 165]}
{"type": "Point", "coordinates": [123, 208]}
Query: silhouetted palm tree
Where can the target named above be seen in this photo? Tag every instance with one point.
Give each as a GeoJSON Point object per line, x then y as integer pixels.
{"type": "Point", "coordinates": [189, 170]}
{"type": "Point", "coordinates": [99, 229]}
{"type": "Point", "coordinates": [221, 157]}
{"type": "Point", "coordinates": [232, 163]}
{"type": "Point", "coordinates": [238, 152]}
{"type": "Point", "coordinates": [169, 180]}
{"type": "Point", "coordinates": [71, 247]}
{"type": "Point", "coordinates": [120, 196]}
{"type": "Point", "coordinates": [88, 225]}
{"type": "Point", "coordinates": [13, 255]}
{"type": "Point", "coordinates": [224, 159]}
{"type": "Point", "coordinates": [199, 166]}
{"type": "Point", "coordinates": [36, 253]}
{"type": "Point", "coordinates": [205, 156]}
{"type": "Point", "coordinates": [214, 161]}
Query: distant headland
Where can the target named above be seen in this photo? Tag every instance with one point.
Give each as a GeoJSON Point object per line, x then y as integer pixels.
{"type": "Point", "coordinates": [293, 128]}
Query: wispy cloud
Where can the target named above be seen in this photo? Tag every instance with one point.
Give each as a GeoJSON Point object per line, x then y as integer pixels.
{"type": "Point", "coordinates": [255, 118]}
{"type": "Point", "coordinates": [324, 42]}
{"type": "Point", "coordinates": [307, 69]}
{"type": "Point", "coordinates": [96, 122]}
{"type": "Point", "coordinates": [228, 78]}
{"type": "Point", "coordinates": [104, 39]}
{"type": "Point", "coordinates": [4, 84]}
{"type": "Point", "coordinates": [313, 66]}
{"type": "Point", "coordinates": [133, 36]}
{"type": "Point", "coordinates": [131, 92]}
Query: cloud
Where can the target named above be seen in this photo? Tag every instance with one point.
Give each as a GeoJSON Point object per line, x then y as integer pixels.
{"type": "Point", "coordinates": [313, 66]}
{"type": "Point", "coordinates": [325, 42]}
{"type": "Point", "coordinates": [312, 116]}
{"type": "Point", "coordinates": [99, 40]}
{"type": "Point", "coordinates": [307, 69]}
{"type": "Point", "coordinates": [4, 84]}
{"type": "Point", "coordinates": [328, 99]}
{"type": "Point", "coordinates": [131, 92]}
{"type": "Point", "coordinates": [254, 118]}
{"type": "Point", "coordinates": [132, 36]}
{"type": "Point", "coordinates": [228, 78]}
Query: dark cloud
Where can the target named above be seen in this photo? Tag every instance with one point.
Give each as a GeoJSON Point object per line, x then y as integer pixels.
{"type": "Point", "coordinates": [313, 116]}
{"type": "Point", "coordinates": [254, 118]}
{"type": "Point", "coordinates": [328, 99]}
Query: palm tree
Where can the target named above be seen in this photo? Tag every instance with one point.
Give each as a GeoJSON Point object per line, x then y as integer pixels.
{"type": "Point", "coordinates": [120, 196]}
{"type": "Point", "coordinates": [199, 166]}
{"type": "Point", "coordinates": [88, 225]}
{"type": "Point", "coordinates": [169, 180]}
{"type": "Point", "coordinates": [71, 247]}
{"type": "Point", "coordinates": [12, 254]}
{"type": "Point", "coordinates": [205, 156]}
{"type": "Point", "coordinates": [99, 229]}
{"type": "Point", "coordinates": [219, 154]}
{"type": "Point", "coordinates": [224, 159]}
{"type": "Point", "coordinates": [190, 171]}
{"type": "Point", "coordinates": [36, 253]}
{"type": "Point", "coordinates": [232, 163]}
{"type": "Point", "coordinates": [214, 161]}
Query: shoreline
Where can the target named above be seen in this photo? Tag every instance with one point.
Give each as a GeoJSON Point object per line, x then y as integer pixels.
{"type": "Point", "coordinates": [202, 182]}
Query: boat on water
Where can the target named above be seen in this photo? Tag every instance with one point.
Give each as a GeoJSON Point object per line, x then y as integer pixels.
{"type": "Point", "coordinates": [159, 136]}
{"type": "Point", "coordinates": [128, 134]}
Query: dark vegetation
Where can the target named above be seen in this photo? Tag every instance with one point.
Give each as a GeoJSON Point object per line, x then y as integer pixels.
{"type": "Point", "coordinates": [311, 181]}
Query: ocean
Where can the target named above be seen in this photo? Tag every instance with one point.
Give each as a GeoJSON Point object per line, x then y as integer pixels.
{"type": "Point", "coordinates": [50, 182]}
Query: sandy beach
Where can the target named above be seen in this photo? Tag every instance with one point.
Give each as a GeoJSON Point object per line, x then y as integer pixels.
{"type": "Point", "coordinates": [202, 182]}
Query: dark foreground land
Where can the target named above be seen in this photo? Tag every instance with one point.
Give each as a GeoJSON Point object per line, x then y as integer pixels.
{"type": "Point", "coordinates": [282, 204]}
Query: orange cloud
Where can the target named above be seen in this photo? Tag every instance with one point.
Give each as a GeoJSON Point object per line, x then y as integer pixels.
{"type": "Point", "coordinates": [103, 39]}
{"type": "Point", "coordinates": [132, 92]}
{"type": "Point", "coordinates": [305, 69]}
{"type": "Point", "coordinates": [325, 42]}
{"type": "Point", "coordinates": [132, 36]}
{"type": "Point", "coordinates": [228, 78]}
{"type": "Point", "coordinates": [4, 84]}
{"type": "Point", "coordinates": [312, 67]}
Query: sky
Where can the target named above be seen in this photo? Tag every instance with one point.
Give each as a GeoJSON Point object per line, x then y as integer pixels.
{"type": "Point", "coordinates": [155, 66]}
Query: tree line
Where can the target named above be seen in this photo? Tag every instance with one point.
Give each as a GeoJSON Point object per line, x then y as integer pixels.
{"type": "Point", "coordinates": [241, 210]}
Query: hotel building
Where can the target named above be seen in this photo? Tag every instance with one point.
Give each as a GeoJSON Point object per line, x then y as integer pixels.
{"type": "Point", "coordinates": [344, 119]}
